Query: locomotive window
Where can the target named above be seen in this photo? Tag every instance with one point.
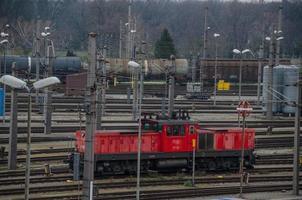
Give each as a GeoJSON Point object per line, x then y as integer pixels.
{"type": "Point", "coordinates": [169, 131]}
{"type": "Point", "coordinates": [191, 129]}
{"type": "Point", "coordinates": [146, 126]}
{"type": "Point", "coordinates": [182, 130]}
{"type": "Point", "coordinates": [175, 131]}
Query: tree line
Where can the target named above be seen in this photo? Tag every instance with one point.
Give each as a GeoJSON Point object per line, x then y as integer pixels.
{"type": "Point", "coordinates": [240, 24]}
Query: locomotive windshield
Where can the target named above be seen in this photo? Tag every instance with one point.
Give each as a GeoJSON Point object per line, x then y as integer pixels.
{"type": "Point", "coordinates": [149, 125]}
{"type": "Point", "coordinates": [175, 130]}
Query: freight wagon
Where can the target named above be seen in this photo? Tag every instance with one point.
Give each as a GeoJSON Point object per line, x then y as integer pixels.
{"type": "Point", "coordinates": [167, 145]}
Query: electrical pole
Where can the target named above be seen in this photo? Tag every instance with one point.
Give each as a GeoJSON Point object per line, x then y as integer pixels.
{"type": "Point", "coordinates": [215, 70]}
{"type": "Point", "coordinates": [101, 87]}
{"type": "Point", "coordinates": [260, 59]}
{"type": "Point", "coordinates": [99, 58]}
{"type": "Point", "coordinates": [139, 141]}
{"type": "Point", "coordinates": [278, 33]}
{"type": "Point", "coordinates": [28, 142]}
{"type": "Point", "coordinates": [205, 41]}
{"type": "Point", "coordinates": [296, 177]}
{"type": "Point", "coordinates": [240, 76]}
{"type": "Point", "coordinates": [13, 130]}
{"type": "Point", "coordinates": [135, 95]}
{"type": "Point", "coordinates": [48, 91]}
{"type": "Point", "coordinates": [37, 55]}
{"type": "Point", "coordinates": [193, 65]}
{"type": "Point", "coordinates": [269, 103]}
{"type": "Point", "coordinates": [120, 42]}
{"type": "Point", "coordinates": [129, 27]}
{"type": "Point", "coordinates": [4, 86]}
{"type": "Point", "coordinates": [104, 80]}
{"type": "Point", "coordinates": [172, 70]}
{"type": "Point", "coordinates": [90, 104]}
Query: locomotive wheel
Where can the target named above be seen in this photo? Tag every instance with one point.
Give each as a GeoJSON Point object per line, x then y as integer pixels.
{"type": "Point", "coordinates": [212, 166]}
{"type": "Point", "coordinates": [226, 165]}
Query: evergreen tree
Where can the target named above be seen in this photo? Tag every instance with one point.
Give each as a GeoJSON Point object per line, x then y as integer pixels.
{"type": "Point", "coordinates": [164, 47]}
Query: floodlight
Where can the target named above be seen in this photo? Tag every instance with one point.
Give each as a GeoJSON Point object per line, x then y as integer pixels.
{"type": "Point", "coordinates": [280, 38]}
{"type": "Point", "coordinates": [236, 51]}
{"type": "Point", "coordinates": [46, 82]}
{"type": "Point", "coordinates": [4, 41]}
{"type": "Point", "coordinates": [13, 82]}
{"type": "Point", "coordinates": [246, 51]}
{"type": "Point", "coordinates": [133, 31]}
{"type": "Point", "coordinates": [4, 34]}
{"type": "Point", "coordinates": [133, 64]}
{"type": "Point", "coordinates": [216, 34]}
{"type": "Point", "coordinates": [46, 28]}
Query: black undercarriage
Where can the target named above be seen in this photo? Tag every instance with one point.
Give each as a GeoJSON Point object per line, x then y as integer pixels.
{"type": "Point", "coordinates": [161, 162]}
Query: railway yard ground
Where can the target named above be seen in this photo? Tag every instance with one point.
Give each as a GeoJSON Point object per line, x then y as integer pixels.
{"type": "Point", "coordinates": [270, 179]}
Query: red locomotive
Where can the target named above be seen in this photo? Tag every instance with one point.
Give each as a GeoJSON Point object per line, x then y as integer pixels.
{"type": "Point", "coordinates": [168, 145]}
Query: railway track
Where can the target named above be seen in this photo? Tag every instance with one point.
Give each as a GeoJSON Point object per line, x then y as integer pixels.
{"type": "Point", "coordinates": [128, 109]}
{"type": "Point", "coordinates": [103, 185]}
{"type": "Point", "coordinates": [197, 192]}
{"type": "Point", "coordinates": [80, 100]}
{"type": "Point", "coordinates": [176, 194]}
{"type": "Point", "coordinates": [62, 173]}
{"type": "Point", "coordinates": [34, 172]}
{"type": "Point", "coordinates": [74, 125]}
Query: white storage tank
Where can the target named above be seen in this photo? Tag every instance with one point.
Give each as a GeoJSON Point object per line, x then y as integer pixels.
{"type": "Point", "coordinates": [291, 77]}
{"type": "Point", "coordinates": [278, 79]}
{"type": "Point", "coordinates": [278, 88]}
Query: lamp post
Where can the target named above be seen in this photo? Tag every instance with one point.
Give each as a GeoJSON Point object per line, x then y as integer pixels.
{"type": "Point", "coordinates": [132, 45]}
{"type": "Point", "coordinates": [296, 170]}
{"type": "Point", "coordinates": [259, 73]}
{"type": "Point", "coordinates": [44, 36]}
{"type": "Point", "coordinates": [216, 35]}
{"type": "Point", "coordinates": [14, 82]}
{"type": "Point", "coordinates": [48, 72]}
{"type": "Point", "coordinates": [138, 68]}
{"type": "Point", "coordinates": [236, 51]}
{"type": "Point", "coordinates": [4, 42]}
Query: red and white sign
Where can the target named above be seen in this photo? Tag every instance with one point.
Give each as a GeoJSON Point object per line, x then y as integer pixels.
{"type": "Point", "coordinates": [244, 108]}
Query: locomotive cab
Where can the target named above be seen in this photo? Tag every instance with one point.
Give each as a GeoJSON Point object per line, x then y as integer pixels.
{"type": "Point", "coordinates": [175, 135]}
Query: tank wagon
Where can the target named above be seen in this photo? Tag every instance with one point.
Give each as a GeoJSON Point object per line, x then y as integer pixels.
{"type": "Point", "coordinates": [62, 66]}
{"type": "Point", "coordinates": [227, 69]}
{"type": "Point", "coordinates": [167, 145]}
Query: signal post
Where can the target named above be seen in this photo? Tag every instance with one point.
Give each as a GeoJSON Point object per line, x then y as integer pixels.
{"type": "Point", "coordinates": [244, 110]}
